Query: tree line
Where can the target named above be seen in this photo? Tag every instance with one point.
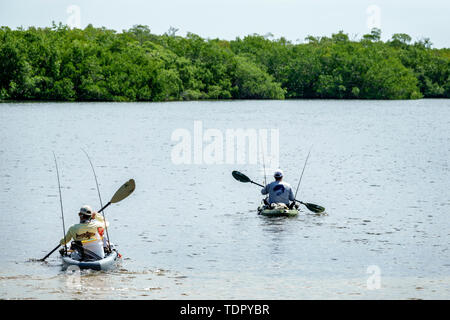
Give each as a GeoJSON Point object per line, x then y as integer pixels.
{"type": "Point", "coordinates": [98, 64]}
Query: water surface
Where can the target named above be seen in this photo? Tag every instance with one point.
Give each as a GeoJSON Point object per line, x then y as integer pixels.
{"type": "Point", "coordinates": [192, 232]}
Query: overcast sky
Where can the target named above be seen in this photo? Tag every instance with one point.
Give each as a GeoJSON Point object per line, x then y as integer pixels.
{"type": "Point", "coordinates": [228, 19]}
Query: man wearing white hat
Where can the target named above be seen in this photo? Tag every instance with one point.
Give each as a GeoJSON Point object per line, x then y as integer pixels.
{"type": "Point", "coordinates": [88, 234]}
{"type": "Point", "coordinates": [279, 191]}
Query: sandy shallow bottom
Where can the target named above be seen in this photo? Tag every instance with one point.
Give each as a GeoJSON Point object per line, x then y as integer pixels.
{"type": "Point", "coordinates": [164, 284]}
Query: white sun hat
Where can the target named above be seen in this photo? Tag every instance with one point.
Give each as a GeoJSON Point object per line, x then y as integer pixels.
{"type": "Point", "coordinates": [278, 173]}
{"type": "Point", "coordinates": [86, 210]}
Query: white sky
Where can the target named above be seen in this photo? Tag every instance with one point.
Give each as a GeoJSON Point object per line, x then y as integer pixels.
{"type": "Point", "coordinates": [228, 19]}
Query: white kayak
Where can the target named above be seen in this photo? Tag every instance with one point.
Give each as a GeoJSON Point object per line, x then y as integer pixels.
{"type": "Point", "coordinates": [107, 263]}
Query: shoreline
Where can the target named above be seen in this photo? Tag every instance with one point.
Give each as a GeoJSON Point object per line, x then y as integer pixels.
{"type": "Point", "coordinates": [215, 100]}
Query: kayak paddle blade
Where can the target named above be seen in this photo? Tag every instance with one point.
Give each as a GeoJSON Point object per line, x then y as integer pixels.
{"type": "Point", "coordinates": [125, 190]}
{"type": "Point", "coordinates": [240, 177]}
{"type": "Point", "coordinates": [314, 207]}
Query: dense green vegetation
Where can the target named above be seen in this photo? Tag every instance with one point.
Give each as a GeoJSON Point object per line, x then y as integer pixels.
{"type": "Point", "coordinates": [59, 63]}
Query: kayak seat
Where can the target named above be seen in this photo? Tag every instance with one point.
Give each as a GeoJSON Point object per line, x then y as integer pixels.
{"type": "Point", "coordinates": [83, 254]}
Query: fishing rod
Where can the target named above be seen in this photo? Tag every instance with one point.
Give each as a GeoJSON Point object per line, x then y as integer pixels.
{"type": "Point", "coordinates": [62, 211]}
{"type": "Point", "coordinates": [60, 200]}
{"type": "Point", "coordinates": [301, 176]}
{"type": "Point", "coordinates": [264, 165]}
{"type": "Point", "coordinates": [95, 176]}
{"type": "Point", "coordinates": [99, 197]}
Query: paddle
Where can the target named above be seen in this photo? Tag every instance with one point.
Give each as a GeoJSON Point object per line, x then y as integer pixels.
{"type": "Point", "coordinates": [243, 178]}
{"type": "Point", "coordinates": [124, 191]}
{"type": "Point", "coordinates": [48, 255]}
{"type": "Point", "coordinates": [312, 207]}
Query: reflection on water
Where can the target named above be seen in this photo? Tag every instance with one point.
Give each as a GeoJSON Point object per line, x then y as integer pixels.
{"type": "Point", "coordinates": [191, 231]}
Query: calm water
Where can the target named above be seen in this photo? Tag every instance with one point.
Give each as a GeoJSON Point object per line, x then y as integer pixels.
{"type": "Point", "coordinates": [190, 231]}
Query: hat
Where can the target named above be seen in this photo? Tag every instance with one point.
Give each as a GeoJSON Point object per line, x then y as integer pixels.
{"type": "Point", "coordinates": [278, 173]}
{"type": "Point", "coordinates": [86, 210]}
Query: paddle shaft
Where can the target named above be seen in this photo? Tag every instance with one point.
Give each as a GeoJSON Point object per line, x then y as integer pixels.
{"type": "Point", "coordinates": [257, 184]}
{"type": "Point", "coordinates": [106, 206]}
{"type": "Point", "coordinates": [48, 255]}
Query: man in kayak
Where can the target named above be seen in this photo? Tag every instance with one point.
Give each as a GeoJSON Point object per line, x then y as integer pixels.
{"type": "Point", "coordinates": [278, 190]}
{"type": "Point", "coordinates": [88, 234]}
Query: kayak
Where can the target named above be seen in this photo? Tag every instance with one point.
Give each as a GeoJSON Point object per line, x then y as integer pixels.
{"type": "Point", "coordinates": [277, 210]}
{"type": "Point", "coordinates": [107, 263]}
